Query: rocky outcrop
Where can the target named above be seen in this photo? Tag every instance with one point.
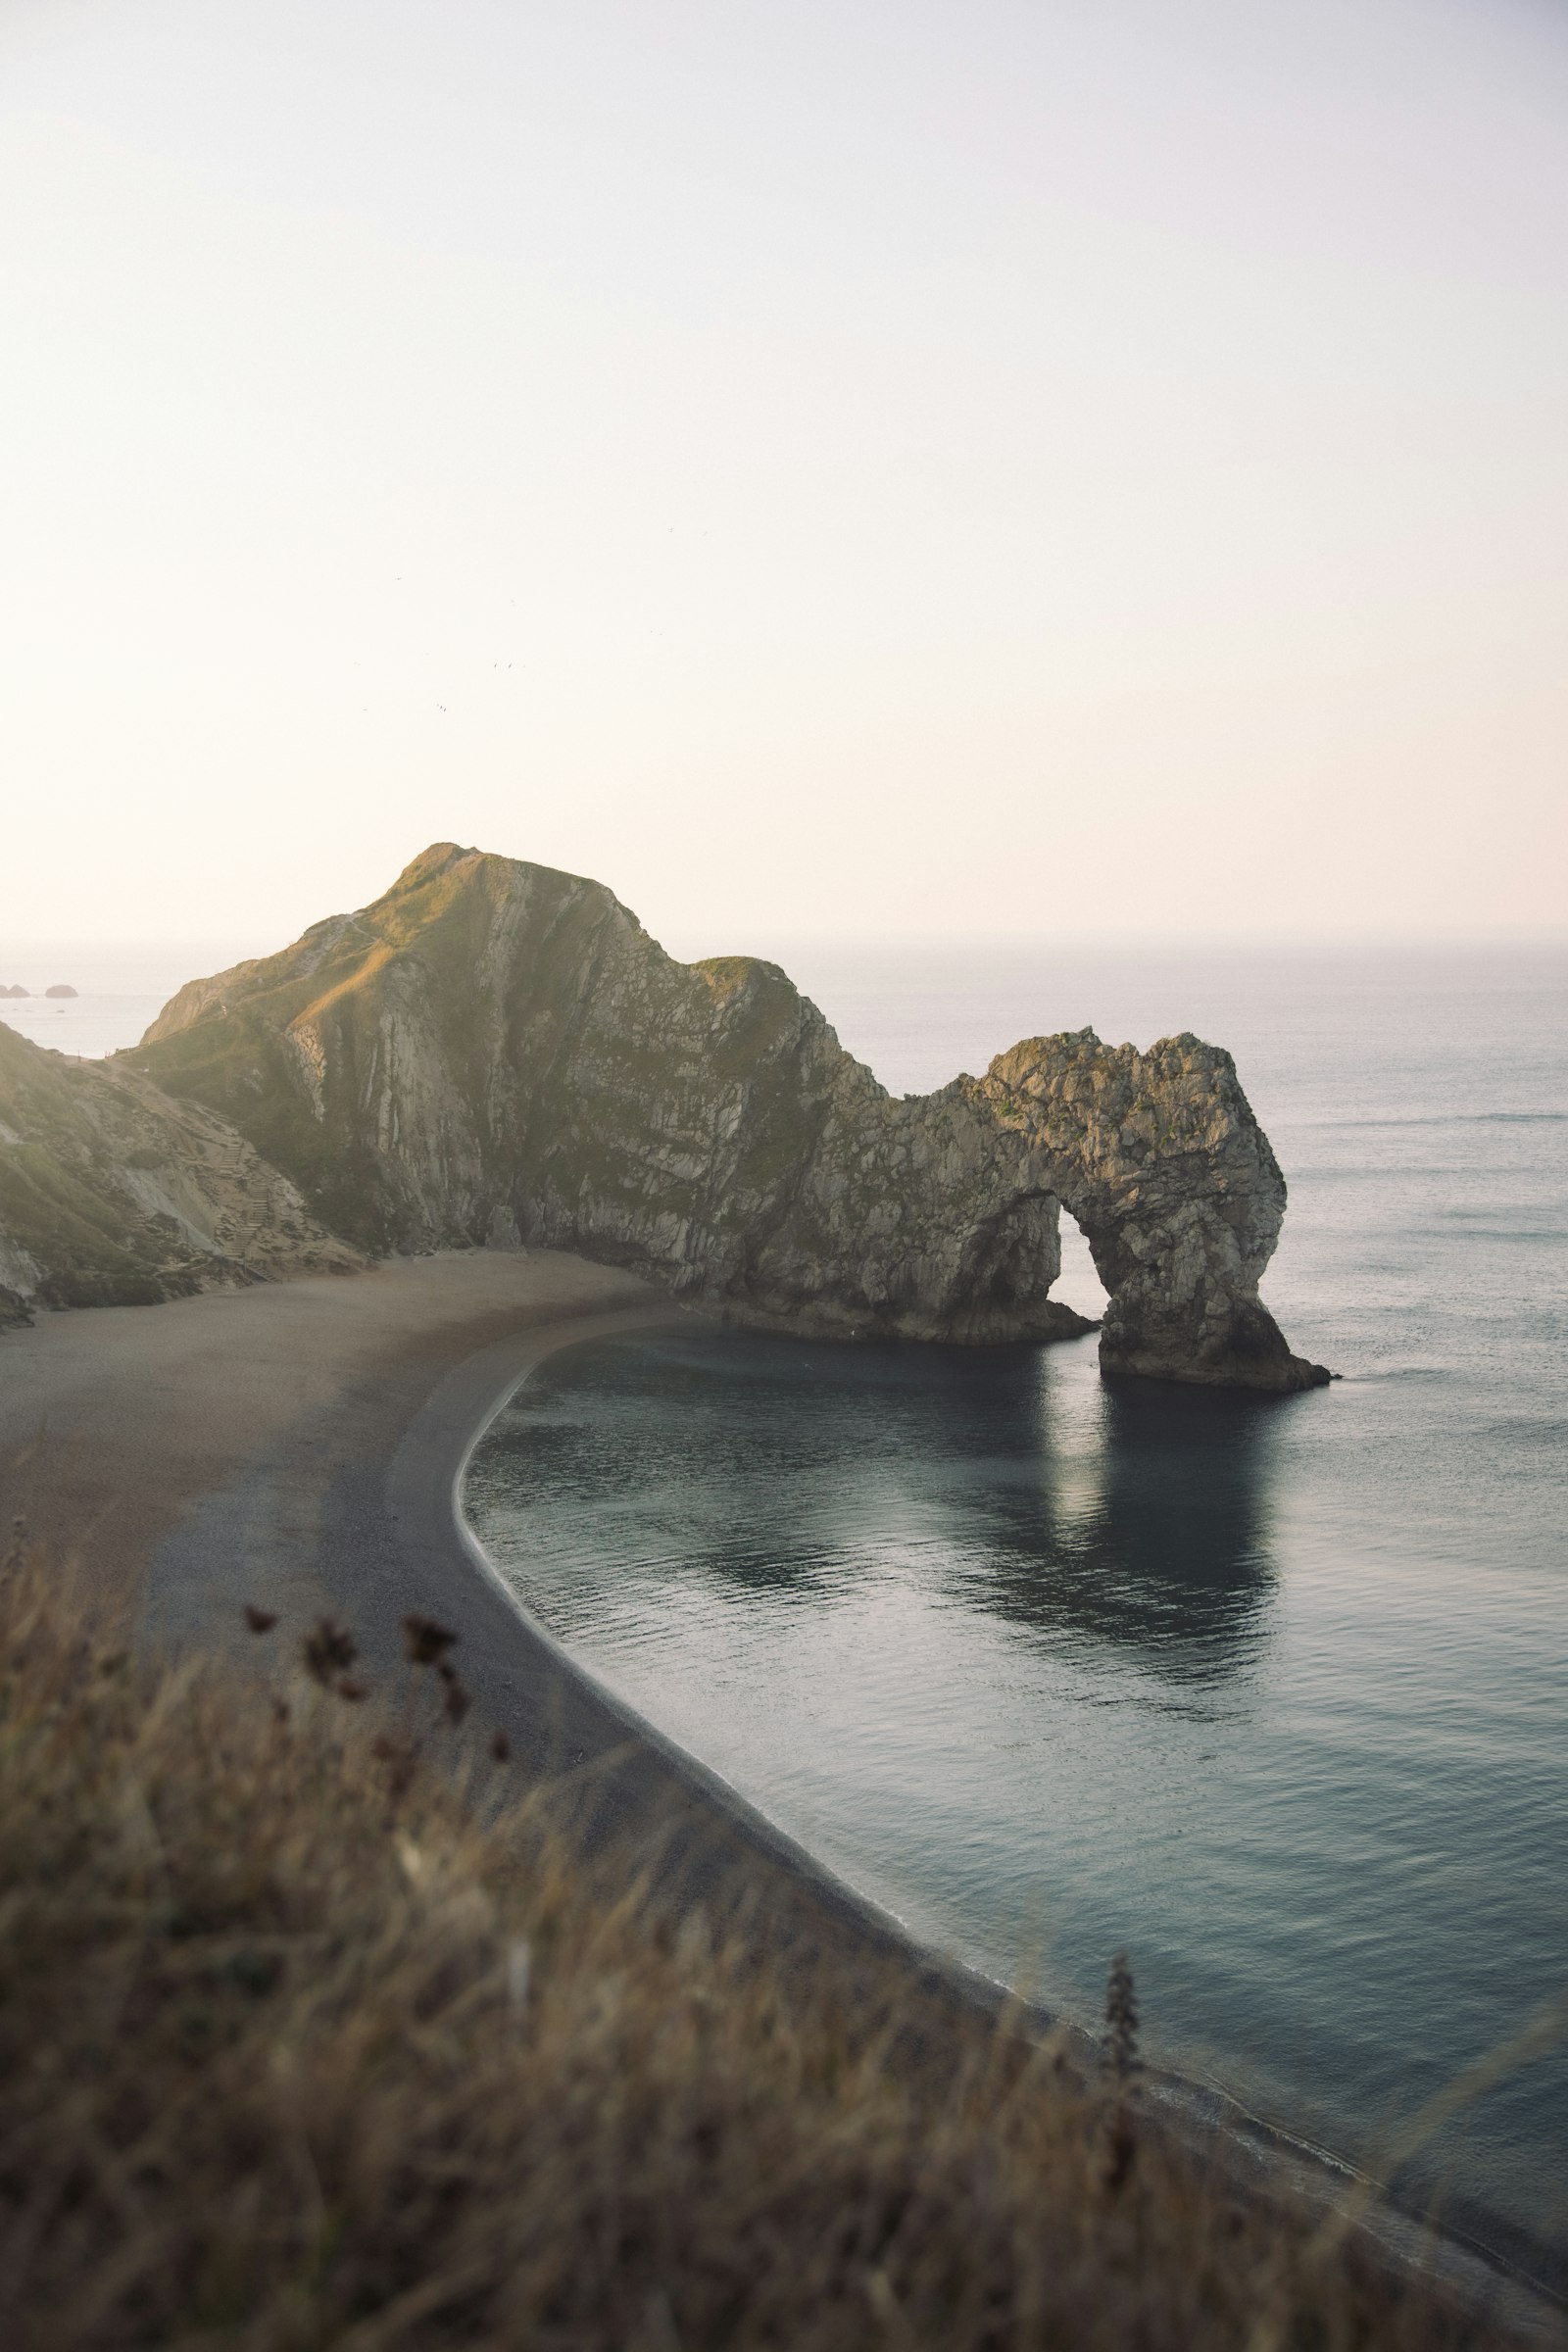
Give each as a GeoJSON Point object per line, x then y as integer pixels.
{"type": "Point", "coordinates": [1159, 1159]}
{"type": "Point", "coordinates": [114, 1194]}
{"type": "Point", "coordinates": [495, 1052]}
{"type": "Point", "coordinates": [498, 1053]}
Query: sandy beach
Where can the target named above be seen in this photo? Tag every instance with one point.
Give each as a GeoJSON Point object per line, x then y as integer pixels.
{"type": "Point", "coordinates": [301, 1445]}
{"type": "Point", "coordinates": [139, 1434]}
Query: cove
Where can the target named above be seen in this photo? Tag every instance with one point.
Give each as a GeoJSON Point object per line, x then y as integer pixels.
{"type": "Point", "coordinates": [1049, 1666]}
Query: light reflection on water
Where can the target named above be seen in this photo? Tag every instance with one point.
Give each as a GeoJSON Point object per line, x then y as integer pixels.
{"type": "Point", "coordinates": [1272, 1693]}
{"type": "Point", "coordinates": [1033, 1662]}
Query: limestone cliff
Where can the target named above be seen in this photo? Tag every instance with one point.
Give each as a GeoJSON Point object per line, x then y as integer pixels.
{"type": "Point", "coordinates": [496, 1052]}
{"type": "Point", "coordinates": [114, 1194]}
{"type": "Point", "coordinates": [1159, 1159]}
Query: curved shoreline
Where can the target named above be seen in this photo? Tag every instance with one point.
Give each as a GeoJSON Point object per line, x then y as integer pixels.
{"type": "Point", "coordinates": [1253, 2151]}
{"type": "Point", "coordinates": [642, 1780]}
{"type": "Point", "coordinates": [302, 1444]}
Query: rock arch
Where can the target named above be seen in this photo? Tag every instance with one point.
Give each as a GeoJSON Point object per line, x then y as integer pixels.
{"type": "Point", "coordinates": [1159, 1159]}
{"type": "Point", "coordinates": [496, 1050]}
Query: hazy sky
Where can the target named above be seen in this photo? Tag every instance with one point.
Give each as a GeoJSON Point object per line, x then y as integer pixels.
{"type": "Point", "coordinates": [849, 466]}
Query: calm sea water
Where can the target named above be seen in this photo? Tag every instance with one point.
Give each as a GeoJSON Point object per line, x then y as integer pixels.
{"type": "Point", "coordinates": [1270, 1693]}
{"type": "Point", "coordinates": [120, 989]}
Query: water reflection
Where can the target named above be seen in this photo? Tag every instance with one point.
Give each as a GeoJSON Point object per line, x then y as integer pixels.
{"type": "Point", "coordinates": [1013, 1697]}
{"type": "Point", "coordinates": [1151, 1529]}
{"type": "Point", "coordinates": [1005, 1480]}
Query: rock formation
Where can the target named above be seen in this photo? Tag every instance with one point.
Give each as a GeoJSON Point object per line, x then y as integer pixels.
{"type": "Point", "coordinates": [114, 1194]}
{"type": "Point", "coordinates": [62, 988]}
{"type": "Point", "coordinates": [497, 1053]}
{"type": "Point", "coordinates": [1159, 1159]}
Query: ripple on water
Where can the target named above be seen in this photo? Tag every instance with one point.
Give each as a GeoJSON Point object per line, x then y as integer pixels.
{"type": "Point", "coordinates": [1271, 1692]}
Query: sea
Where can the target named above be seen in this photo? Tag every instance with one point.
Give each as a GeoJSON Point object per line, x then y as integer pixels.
{"type": "Point", "coordinates": [1271, 1694]}
{"type": "Point", "coordinates": [120, 987]}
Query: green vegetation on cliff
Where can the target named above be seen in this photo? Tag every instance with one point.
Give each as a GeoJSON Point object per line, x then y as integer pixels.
{"type": "Point", "coordinates": [114, 1194]}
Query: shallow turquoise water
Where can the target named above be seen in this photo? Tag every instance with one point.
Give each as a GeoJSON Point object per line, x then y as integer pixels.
{"type": "Point", "coordinates": [1270, 1693]}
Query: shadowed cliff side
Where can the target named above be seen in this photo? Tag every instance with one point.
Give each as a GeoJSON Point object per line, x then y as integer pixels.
{"type": "Point", "coordinates": [114, 1194]}
{"type": "Point", "coordinates": [496, 1052]}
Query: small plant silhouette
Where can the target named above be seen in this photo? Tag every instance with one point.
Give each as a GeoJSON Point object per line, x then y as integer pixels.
{"type": "Point", "coordinates": [1119, 2059]}
{"type": "Point", "coordinates": [1120, 2066]}
{"type": "Point", "coordinates": [328, 1651]}
{"type": "Point", "coordinates": [425, 1642]}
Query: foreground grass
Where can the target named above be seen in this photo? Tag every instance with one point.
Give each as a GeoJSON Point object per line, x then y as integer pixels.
{"type": "Point", "coordinates": [296, 2051]}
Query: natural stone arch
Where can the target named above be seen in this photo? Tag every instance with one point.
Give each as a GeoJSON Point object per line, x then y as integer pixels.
{"type": "Point", "coordinates": [1159, 1159]}
{"type": "Point", "coordinates": [495, 1049]}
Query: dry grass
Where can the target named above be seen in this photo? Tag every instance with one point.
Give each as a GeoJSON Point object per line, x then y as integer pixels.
{"type": "Point", "coordinates": [296, 2052]}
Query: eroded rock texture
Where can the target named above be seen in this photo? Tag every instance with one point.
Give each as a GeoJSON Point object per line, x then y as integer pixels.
{"type": "Point", "coordinates": [498, 1053]}
{"type": "Point", "coordinates": [114, 1194]}
{"type": "Point", "coordinates": [1159, 1159]}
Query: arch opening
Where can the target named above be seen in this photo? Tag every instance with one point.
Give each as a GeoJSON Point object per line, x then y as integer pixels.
{"type": "Point", "coordinates": [1078, 1285]}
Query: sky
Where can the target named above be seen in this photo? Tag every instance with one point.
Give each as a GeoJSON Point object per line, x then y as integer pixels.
{"type": "Point", "coordinates": [863, 468]}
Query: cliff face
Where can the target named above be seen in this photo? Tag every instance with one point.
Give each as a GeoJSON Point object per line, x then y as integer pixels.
{"type": "Point", "coordinates": [498, 1053]}
{"type": "Point", "coordinates": [114, 1194]}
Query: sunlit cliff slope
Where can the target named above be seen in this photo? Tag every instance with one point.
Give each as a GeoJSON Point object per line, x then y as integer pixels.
{"type": "Point", "coordinates": [498, 1053]}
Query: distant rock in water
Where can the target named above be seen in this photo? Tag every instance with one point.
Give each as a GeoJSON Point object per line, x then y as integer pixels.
{"type": "Point", "coordinates": [62, 988]}
{"type": "Point", "coordinates": [496, 1052]}
{"type": "Point", "coordinates": [111, 1194]}
{"type": "Point", "coordinates": [13, 992]}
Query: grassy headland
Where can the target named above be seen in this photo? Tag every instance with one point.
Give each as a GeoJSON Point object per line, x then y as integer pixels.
{"type": "Point", "coordinates": [314, 2032]}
